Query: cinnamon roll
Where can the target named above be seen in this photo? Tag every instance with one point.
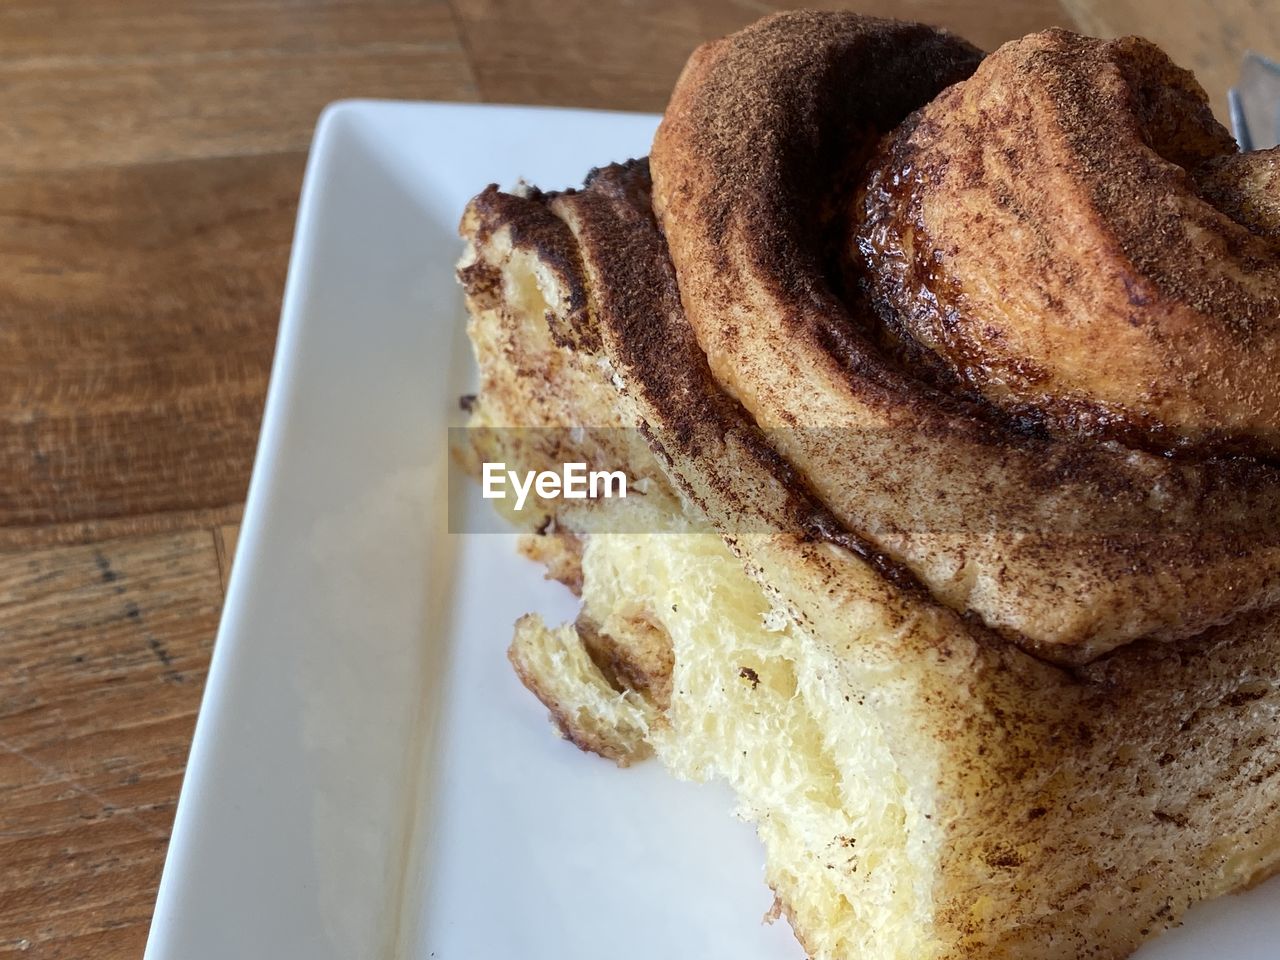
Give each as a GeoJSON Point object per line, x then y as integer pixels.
{"type": "Point", "coordinates": [965, 362]}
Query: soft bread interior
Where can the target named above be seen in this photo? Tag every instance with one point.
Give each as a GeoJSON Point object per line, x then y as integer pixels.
{"type": "Point", "coordinates": [754, 703]}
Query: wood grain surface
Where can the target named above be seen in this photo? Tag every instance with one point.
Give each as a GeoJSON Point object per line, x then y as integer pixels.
{"type": "Point", "coordinates": [150, 160]}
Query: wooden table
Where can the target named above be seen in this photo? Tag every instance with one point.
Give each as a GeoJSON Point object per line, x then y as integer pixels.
{"type": "Point", "coordinates": [150, 159]}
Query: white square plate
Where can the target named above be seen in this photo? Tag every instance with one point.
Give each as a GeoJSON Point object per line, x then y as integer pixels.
{"type": "Point", "coordinates": [368, 779]}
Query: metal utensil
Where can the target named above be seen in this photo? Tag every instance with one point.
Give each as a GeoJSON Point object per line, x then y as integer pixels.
{"type": "Point", "coordinates": [1255, 103]}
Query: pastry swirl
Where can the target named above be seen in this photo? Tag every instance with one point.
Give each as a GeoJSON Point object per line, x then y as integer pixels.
{"type": "Point", "coordinates": [1132, 290]}
{"type": "Point", "coordinates": [976, 342]}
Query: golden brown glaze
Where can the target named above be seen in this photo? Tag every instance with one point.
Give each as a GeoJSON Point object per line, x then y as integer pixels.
{"type": "Point", "coordinates": [1016, 513]}
{"type": "Point", "coordinates": [1073, 235]}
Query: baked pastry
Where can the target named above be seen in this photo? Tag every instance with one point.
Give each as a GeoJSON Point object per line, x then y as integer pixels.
{"type": "Point", "coordinates": [946, 384]}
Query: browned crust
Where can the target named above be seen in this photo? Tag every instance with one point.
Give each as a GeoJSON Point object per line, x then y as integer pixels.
{"type": "Point", "coordinates": [1076, 547]}
{"type": "Point", "coordinates": [1120, 303]}
{"type": "Point", "coordinates": [658, 355]}
{"type": "Point", "coordinates": [531, 227]}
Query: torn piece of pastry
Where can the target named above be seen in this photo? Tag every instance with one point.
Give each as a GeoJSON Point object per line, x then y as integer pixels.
{"type": "Point", "coordinates": [951, 384]}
